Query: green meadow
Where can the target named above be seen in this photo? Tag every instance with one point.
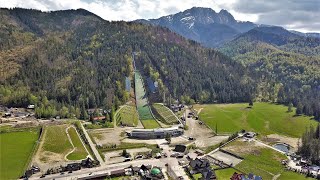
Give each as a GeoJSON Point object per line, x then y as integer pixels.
{"type": "Point", "coordinates": [264, 118]}
{"type": "Point", "coordinates": [127, 115]}
{"type": "Point", "coordinates": [150, 124]}
{"type": "Point", "coordinates": [56, 141]}
{"type": "Point", "coordinates": [16, 149]}
{"type": "Point", "coordinates": [259, 160]}
{"type": "Point", "coordinates": [79, 152]}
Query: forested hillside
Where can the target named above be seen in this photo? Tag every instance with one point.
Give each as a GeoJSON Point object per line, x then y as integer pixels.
{"type": "Point", "coordinates": [288, 65]}
{"type": "Point", "coordinates": [68, 61]}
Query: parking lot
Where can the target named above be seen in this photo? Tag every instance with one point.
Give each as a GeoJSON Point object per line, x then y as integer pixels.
{"type": "Point", "coordinates": [204, 136]}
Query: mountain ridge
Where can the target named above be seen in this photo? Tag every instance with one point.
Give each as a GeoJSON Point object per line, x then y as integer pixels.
{"type": "Point", "coordinates": [75, 62]}
{"type": "Point", "coordinates": [203, 25]}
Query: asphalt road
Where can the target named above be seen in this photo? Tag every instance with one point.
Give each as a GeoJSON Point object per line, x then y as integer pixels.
{"type": "Point", "coordinates": [102, 169]}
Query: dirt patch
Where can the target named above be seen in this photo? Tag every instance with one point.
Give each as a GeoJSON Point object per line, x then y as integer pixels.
{"type": "Point", "coordinates": [275, 138]}
{"type": "Point", "coordinates": [210, 141]}
{"type": "Point", "coordinates": [51, 157]}
{"type": "Point", "coordinates": [226, 158]}
{"type": "Point", "coordinates": [146, 141]}
{"type": "Point", "coordinates": [106, 136]}
{"type": "Point", "coordinates": [46, 159]}
{"type": "Point", "coordinates": [241, 148]}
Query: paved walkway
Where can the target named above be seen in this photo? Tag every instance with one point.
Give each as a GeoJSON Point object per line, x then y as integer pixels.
{"type": "Point", "coordinates": [93, 146]}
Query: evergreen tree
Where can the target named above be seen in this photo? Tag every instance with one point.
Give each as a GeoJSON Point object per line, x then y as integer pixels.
{"type": "Point", "coordinates": [290, 105]}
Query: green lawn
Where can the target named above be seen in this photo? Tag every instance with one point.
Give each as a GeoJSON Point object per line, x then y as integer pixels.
{"type": "Point", "coordinates": [150, 124]}
{"type": "Point", "coordinates": [165, 113]}
{"type": "Point", "coordinates": [264, 164]}
{"type": "Point", "coordinates": [16, 149]}
{"type": "Point", "coordinates": [292, 175]}
{"type": "Point", "coordinates": [285, 175]}
{"type": "Point", "coordinates": [225, 173]}
{"type": "Point", "coordinates": [5, 128]}
{"type": "Point", "coordinates": [80, 152]}
{"type": "Point", "coordinates": [197, 176]}
{"type": "Point", "coordinates": [56, 140]}
{"type": "Point", "coordinates": [259, 160]}
{"type": "Point", "coordinates": [127, 115]}
{"type": "Point", "coordinates": [264, 118]}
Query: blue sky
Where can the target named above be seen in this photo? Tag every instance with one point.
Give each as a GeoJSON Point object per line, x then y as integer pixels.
{"type": "Point", "coordinates": [301, 15]}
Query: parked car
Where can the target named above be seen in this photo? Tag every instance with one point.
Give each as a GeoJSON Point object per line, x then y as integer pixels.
{"type": "Point", "coordinates": [180, 155]}
{"type": "Point", "coordinates": [139, 157]}
{"type": "Point", "coordinates": [127, 159]}
{"type": "Point", "coordinates": [158, 155]}
{"type": "Point", "coordinates": [191, 138]}
{"type": "Point", "coordinates": [175, 154]}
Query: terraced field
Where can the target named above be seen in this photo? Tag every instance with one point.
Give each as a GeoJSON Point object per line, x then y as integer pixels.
{"type": "Point", "coordinates": [166, 114]}
{"type": "Point", "coordinates": [143, 108]}
{"type": "Point", "coordinates": [127, 116]}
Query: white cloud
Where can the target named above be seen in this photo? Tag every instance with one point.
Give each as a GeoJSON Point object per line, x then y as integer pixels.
{"type": "Point", "coordinates": [259, 11]}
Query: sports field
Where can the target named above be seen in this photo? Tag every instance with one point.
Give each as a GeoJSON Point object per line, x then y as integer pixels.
{"type": "Point", "coordinates": [143, 108]}
{"type": "Point", "coordinates": [127, 116]}
{"type": "Point", "coordinates": [166, 114]}
{"type": "Point", "coordinates": [16, 149]}
{"type": "Point", "coordinates": [79, 151]}
{"type": "Point", "coordinates": [57, 146]}
{"type": "Point", "coordinates": [263, 118]}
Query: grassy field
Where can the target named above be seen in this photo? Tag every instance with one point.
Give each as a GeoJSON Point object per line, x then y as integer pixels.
{"type": "Point", "coordinates": [56, 140]}
{"type": "Point", "coordinates": [127, 115]}
{"type": "Point", "coordinates": [16, 149]}
{"type": "Point", "coordinates": [225, 173]}
{"type": "Point", "coordinates": [260, 160]}
{"type": "Point", "coordinates": [150, 124]}
{"type": "Point", "coordinates": [56, 145]}
{"type": "Point", "coordinates": [142, 104]}
{"type": "Point", "coordinates": [266, 163]}
{"type": "Point", "coordinates": [264, 118]}
{"type": "Point", "coordinates": [285, 175]}
{"type": "Point", "coordinates": [79, 152]}
{"type": "Point", "coordinates": [166, 114]}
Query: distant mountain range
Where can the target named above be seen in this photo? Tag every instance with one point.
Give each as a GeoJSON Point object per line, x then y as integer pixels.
{"type": "Point", "coordinates": [208, 27]}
